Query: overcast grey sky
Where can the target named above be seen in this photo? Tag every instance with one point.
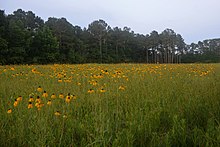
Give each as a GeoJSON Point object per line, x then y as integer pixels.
{"type": "Point", "coordinates": [194, 19]}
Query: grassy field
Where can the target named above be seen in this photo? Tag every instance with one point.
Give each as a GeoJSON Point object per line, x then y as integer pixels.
{"type": "Point", "coordinates": [110, 105]}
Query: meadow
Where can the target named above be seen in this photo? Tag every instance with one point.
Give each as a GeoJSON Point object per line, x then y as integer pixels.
{"type": "Point", "coordinates": [110, 105]}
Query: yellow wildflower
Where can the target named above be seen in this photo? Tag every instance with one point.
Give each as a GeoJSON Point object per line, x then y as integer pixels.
{"type": "Point", "coordinates": [105, 72]}
{"type": "Point", "coordinates": [39, 89]}
{"type": "Point", "coordinates": [61, 95]}
{"type": "Point", "coordinates": [19, 98]}
{"type": "Point", "coordinates": [57, 113]}
{"type": "Point", "coordinates": [49, 102]}
{"type": "Point", "coordinates": [31, 99]}
{"type": "Point", "coordinates": [91, 91]}
{"type": "Point", "coordinates": [68, 98]}
{"type": "Point", "coordinates": [41, 104]}
{"type": "Point", "coordinates": [60, 80]}
{"type": "Point", "coordinates": [93, 82]}
{"type": "Point", "coordinates": [59, 75]}
{"type": "Point", "coordinates": [9, 111]}
{"type": "Point", "coordinates": [38, 100]}
{"type": "Point", "coordinates": [15, 103]}
{"type": "Point", "coordinates": [45, 94]}
{"type": "Point", "coordinates": [73, 96]}
{"type": "Point", "coordinates": [30, 105]}
{"type": "Point", "coordinates": [53, 96]}
{"type": "Point", "coordinates": [33, 70]}
{"type": "Point", "coordinates": [121, 88]}
{"type": "Point", "coordinates": [102, 90]}
{"type": "Point", "coordinates": [37, 104]}
{"type": "Point", "coordinates": [67, 81]}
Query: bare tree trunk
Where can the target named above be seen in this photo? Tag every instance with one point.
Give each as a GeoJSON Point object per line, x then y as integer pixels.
{"type": "Point", "coordinates": [116, 51]}
{"type": "Point", "coordinates": [176, 59]}
{"type": "Point", "coordinates": [172, 58]}
{"type": "Point", "coordinates": [162, 56]}
{"type": "Point", "coordinates": [165, 56]}
{"type": "Point", "coordinates": [100, 47]}
{"type": "Point", "coordinates": [169, 56]}
{"type": "Point", "coordinates": [106, 49]}
{"type": "Point", "coordinates": [124, 50]}
{"type": "Point", "coordinates": [147, 56]}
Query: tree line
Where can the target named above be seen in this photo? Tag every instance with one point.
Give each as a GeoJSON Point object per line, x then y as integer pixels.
{"type": "Point", "coordinates": [206, 51]}
{"type": "Point", "coordinates": [26, 39]}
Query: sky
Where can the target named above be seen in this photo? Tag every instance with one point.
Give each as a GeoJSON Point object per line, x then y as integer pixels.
{"type": "Point", "coordinates": [195, 20]}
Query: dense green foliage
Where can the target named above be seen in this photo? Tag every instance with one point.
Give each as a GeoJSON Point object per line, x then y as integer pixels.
{"type": "Point", "coordinates": [173, 105]}
{"type": "Point", "coordinates": [206, 51]}
{"type": "Point", "coordinates": [27, 39]}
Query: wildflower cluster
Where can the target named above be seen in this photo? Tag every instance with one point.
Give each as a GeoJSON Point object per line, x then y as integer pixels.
{"type": "Point", "coordinates": [41, 98]}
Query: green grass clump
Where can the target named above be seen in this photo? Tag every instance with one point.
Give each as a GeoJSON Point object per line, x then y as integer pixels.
{"type": "Point", "coordinates": [110, 105]}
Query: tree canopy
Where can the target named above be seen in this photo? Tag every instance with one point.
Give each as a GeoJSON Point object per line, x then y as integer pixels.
{"type": "Point", "coordinates": [26, 39]}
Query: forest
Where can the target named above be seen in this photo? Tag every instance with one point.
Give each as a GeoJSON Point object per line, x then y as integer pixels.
{"type": "Point", "coordinates": [27, 39]}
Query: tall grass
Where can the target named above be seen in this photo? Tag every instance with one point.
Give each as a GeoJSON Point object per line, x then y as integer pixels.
{"type": "Point", "coordinates": [131, 105]}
